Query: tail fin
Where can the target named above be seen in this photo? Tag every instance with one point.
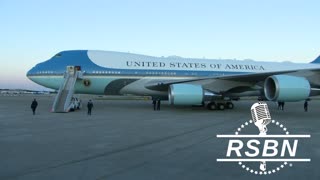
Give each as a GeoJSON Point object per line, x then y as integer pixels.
{"type": "Point", "coordinates": [316, 60]}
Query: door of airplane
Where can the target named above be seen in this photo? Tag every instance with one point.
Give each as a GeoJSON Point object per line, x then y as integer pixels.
{"type": "Point", "coordinates": [78, 68]}
{"type": "Point", "coordinates": [73, 69]}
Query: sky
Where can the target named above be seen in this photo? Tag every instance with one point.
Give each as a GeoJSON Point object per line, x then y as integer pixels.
{"type": "Point", "coordinates": [33, 31]}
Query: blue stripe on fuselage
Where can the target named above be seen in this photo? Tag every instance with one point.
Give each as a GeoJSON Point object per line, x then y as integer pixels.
{"type": "Point", "coordinates": [57, 66]}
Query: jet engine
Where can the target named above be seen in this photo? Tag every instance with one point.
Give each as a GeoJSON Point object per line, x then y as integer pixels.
{"type": "Point", "coordinates": [286, 88]}
{"type": "Point", "coordinates": [185, 94]}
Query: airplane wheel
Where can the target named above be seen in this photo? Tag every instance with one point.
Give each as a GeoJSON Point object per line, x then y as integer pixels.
{"type": "Point", "coordinates": [221, 106]}
{"type": "Point", "coordinates": [212, 106]}
{"type": "Point", "coordinates": [230, 105]}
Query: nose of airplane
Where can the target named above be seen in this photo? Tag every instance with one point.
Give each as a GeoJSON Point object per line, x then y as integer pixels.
{"type": "Point", "coordinates": [38, 69]}
{"type": "Point", "coordinates": [38, 74]}
{"type": "Point", "coordinates": [30, 72]}
{"type": "Point", "coordinates": [30, 75]}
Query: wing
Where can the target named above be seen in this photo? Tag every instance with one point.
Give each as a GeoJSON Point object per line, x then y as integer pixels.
{"type": "Point", "coordinates": [235, 83]}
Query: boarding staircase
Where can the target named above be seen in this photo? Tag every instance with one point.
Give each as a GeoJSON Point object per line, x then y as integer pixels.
{"type": "Point", "coordinates": [62, 100]}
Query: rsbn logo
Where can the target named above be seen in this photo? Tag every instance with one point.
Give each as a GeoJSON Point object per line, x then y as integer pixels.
{"type": "Point", "coordinates": [264, 153]}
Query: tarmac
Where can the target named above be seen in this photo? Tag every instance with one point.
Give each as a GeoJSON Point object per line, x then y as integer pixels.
{"type": "Point", "coordinates": [126, 139]}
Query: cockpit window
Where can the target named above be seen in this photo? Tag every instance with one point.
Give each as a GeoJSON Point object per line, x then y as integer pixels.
{"type": "Point", "coordinates": [58, 55]}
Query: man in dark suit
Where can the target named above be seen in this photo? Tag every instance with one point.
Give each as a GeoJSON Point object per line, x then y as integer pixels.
{"type": "Point", "coordinates": [34, 106]}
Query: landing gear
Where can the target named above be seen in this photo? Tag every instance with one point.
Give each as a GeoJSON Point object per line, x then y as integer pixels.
{"type": "Point", "coordinates": [212, 106]}
{"type": "Point", "coordinates": [221, 105]}
{"type": "Point", "coordinates": [230, 105]}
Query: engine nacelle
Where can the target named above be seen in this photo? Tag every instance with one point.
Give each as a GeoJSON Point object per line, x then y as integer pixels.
{"type": "Point", "coordinates": [185, 94]}
{"type": "Point", "coordinates": [286, 88]}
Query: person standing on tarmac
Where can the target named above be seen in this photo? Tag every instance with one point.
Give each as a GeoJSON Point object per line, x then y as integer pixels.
{"type": "Point", "coordinates": [158, 104]}
{"type": "Point", "coordinates": [279, 105]}
{"type": "Point", "coordinates": [282, 105]}
{"type": "Point", "coordinates": [89, 106]}
{"type": "Point", "coordinates": [154, 102]}
{"type": "Point", "coordinates": [34, 106]}
{"type": "Point", "coordinates": [305, 105]}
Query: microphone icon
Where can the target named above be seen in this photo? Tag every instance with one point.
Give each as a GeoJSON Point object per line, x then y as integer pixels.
{"type": "Point", "coordinates": [261, 118]}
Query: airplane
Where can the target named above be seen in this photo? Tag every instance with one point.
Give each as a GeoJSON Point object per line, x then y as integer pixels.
{"type": "Point", "coordinates": [214, 83]}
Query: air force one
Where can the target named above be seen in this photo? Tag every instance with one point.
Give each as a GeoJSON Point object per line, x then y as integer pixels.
{"type": "Point", "coordinates": [182, 81]}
